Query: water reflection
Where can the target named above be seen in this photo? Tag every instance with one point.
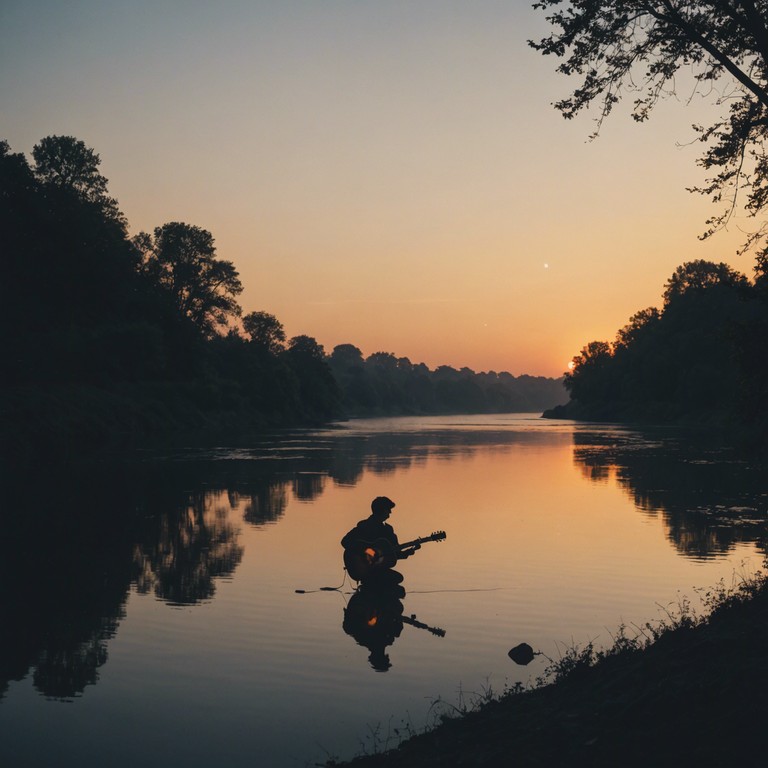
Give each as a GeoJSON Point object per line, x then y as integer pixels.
{"type": "Point", "coordinates": [63, 585]}
{"type": "Point", "coordinates": [74, 545]}
{"type": "Point", "coordinates": [69, 564]}
{"type": "Point", "coordinates": [265, 505]}
{"type": "Point", "coordinates": [374, 618]}
{"type": "Point", "coordinates": [709, 499]}
{"type": "Point", "coordinates": [183, 551]}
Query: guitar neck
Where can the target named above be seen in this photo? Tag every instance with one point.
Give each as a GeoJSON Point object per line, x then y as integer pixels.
{"type": "Point", "coordinates": [420, 540]}
{"type": "Point", "coordinates": [414, 542]}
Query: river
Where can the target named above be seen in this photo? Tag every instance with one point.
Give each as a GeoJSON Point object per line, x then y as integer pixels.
{"type": "Point", "coordinates": [166, 607]}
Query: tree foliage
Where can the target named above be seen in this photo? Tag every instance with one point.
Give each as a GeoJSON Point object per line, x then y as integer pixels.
{"type": "Point", "coordinates": [704, 355]}
{"type": "Point", "coordinates": [638, 47]}
{"type": "Point", "coordinates": [384, 384]}
{"type": "Point", "coordinates": [181, 258]}
{"type": "Point", "coordinates": [66, 164]}
{"type": "Point", "coordinates": [640, 325]}
{"type": "Point", "coordinates": [265, 330]}
{"type": "Point", "coordinates": [701, 275]}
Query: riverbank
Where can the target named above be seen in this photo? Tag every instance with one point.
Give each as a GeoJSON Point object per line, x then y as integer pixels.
{"type": "Point", "coordinates": [691, 691]}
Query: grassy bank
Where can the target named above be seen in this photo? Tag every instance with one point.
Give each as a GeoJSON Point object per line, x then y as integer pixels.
{"type": "Point", "coordinates": [687, 691]}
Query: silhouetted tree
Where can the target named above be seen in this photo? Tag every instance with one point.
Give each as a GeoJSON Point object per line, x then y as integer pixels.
{"type": "Point", "coordinates": [346, 356]}
{"type": "Point", "coordinates": [181, 258]}
{"type": "Point", "coordinates": [761, 274]}
{"type": "Point", "coordinates": [700, 275]}
{"type": "Point", "coordinates": [639, 46]}
{"type": "Point", "coordinates": [319, 394]}
{"type": "Point", "coordinates": [385, 360]}
{"type": "Point", "coordinates": [587, 380]}
{"type": "Point", "coordinates": [70, 292]}
{"type": "Point", "coordinates": [68, 165]}
{"type": "Point", "coordinates": [265, 330]}
{"type": "Point", "coordinates": [640, 325]}
{"type": "Point", "coordinates": [702, 356]}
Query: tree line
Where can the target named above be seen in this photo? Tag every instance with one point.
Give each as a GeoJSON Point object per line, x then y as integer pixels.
{"type": "Point", "coordinates": [385, 384]}
{"type": "Point", "coordinates": [703, 356]}
{"type": "Point", "coordinates": [110, 336]}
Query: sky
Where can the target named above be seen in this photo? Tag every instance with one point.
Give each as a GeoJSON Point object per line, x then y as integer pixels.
{"type": "Point", "coordinates": [385, 174]}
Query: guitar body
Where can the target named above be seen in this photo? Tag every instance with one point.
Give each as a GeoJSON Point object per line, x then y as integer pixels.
{"type": "Point", "coordinates": [366, 559]}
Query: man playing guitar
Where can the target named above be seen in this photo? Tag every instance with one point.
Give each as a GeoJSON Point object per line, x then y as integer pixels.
{"type": "Point", "coordinates": [372, 548]}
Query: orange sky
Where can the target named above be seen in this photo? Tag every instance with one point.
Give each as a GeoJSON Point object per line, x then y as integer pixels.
{"type": "Point", "coordinates": [390, 175]}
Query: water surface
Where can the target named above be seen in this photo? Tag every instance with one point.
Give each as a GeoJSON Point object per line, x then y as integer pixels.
{"type": "Point", "coordinates": [152, 605]}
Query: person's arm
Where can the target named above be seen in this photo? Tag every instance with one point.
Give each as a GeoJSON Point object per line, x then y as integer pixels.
{"type": "Point", "coordinates": [403, 553]}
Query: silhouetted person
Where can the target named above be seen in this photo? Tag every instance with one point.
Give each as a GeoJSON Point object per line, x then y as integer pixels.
{"type": "Point", "coordinates": [372, 548]}
{"type": "Point", "coordinates": [374, 618]}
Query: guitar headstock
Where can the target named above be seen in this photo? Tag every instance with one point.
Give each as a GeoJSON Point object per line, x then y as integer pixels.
{"type": "Point", "coordinates": [437, 536]}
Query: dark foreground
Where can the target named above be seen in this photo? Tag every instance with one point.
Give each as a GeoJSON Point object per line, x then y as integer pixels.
{"type": "Point", "coordinates": [697, 696]}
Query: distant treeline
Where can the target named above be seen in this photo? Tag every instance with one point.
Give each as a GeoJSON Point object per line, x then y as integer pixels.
{"type": "Point", "coordinates": [702, 357]}
{"type": "Point", "coordinates": [385, 384]}
{"type": "Point", "coordinates": [107, 338]}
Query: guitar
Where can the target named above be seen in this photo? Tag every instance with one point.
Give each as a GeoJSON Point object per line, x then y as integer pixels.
{"type": "Point", "coordinates": [367, 557]}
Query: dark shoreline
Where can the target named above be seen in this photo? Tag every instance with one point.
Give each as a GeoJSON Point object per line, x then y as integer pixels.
{"type": "Point", "coordinates": [696, 695]}
{"type": "Point", "coordinates": [748, 437]}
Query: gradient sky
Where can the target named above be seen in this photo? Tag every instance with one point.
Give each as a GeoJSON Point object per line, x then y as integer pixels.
{"type": "Point", "coordinates": [386, 174]}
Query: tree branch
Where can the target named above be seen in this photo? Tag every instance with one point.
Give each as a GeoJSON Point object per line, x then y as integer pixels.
{"type": "Point", "coordinates": [675, 19]}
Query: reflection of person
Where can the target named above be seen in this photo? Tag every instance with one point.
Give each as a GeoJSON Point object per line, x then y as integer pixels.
{"type": "Point", "coordinates": [372, 548]}
{"type": "Point", "coordinates": [374, 618]}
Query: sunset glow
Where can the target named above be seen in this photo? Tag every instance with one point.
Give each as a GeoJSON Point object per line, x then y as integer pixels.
{"type": "Point", "coordinates": [387, 175]}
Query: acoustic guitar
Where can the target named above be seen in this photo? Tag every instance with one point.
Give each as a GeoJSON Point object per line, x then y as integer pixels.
{"type": "Point", "coordinates": [368, 557]}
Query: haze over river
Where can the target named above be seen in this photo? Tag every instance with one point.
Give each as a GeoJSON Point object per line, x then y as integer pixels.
{"type": "Point", "coordinates": [150, 607]}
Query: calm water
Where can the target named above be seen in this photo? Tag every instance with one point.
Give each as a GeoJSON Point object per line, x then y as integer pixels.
{"type": "Point", "coordinates": [150, 613]}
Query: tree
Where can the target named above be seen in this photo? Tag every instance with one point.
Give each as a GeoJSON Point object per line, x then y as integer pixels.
{"type": "Point", "coordinates": [66, 164]}
{"type": "Point", "coordinates": [181, 258]}
{"type": "Point", "coordinates": [385, 360]}
{"type": "Point", "coordinates": [699, 275]}
{"type": "Point", "coordinates": [319, 395]}
{"type": "Point", "coordinates": [587, 381]}
{"type": "Point", "coordinates": [265, 330]}
{"type": "Point", "coordinates": [639, 46]}
{"type": "Point", "coordinates": [639, 325]}
{"type": "Point", "coordinates": [69, 300]}
{"type": "Point", "coordinates": [761, 272]}
{"type": "Point", "coordinates": [306, 347]}
{"type": "Point", "coordinates": [346, 356]}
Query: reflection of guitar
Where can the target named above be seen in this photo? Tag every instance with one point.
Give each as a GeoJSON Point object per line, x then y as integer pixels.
{"type": "Point", "coordinates": [414, 622]}
{"type": "Point", "coordinates": [367, 557]}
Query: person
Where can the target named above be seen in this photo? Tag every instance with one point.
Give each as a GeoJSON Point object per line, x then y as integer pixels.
{"type": "Point", "coordinates": [371, 548]}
